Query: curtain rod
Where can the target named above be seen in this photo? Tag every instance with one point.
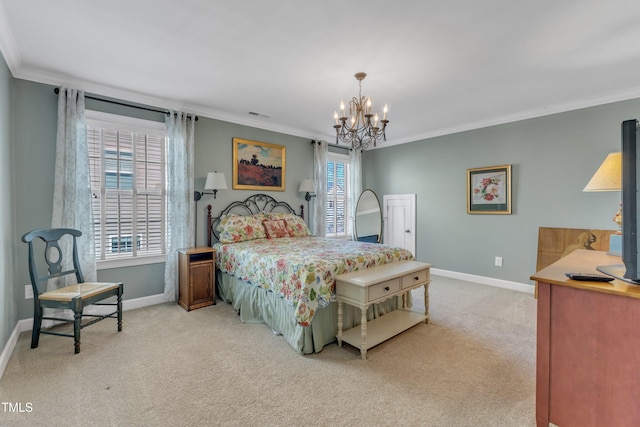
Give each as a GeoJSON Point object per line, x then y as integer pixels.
{"type": "Point", "coordinates": [124, 104]}
{"type": "Point", "coordinates": [313, 141]}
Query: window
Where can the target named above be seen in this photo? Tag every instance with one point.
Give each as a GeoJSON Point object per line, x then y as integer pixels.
{"type": "Point", "coordinates": [128, 181]}
{"type": "Point", "coordinates": [118, 170]}
{"type": "Point", "coordinates": [338, 224]}
{"type": "Point", "coordinates": [124, 243]}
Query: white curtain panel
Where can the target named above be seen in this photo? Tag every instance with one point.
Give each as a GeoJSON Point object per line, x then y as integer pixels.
{"type": "Point", "coordinates": [355, 184]}
{"type": "Point", "coordinates": [180, 188]}
{"type": "Point", "coordinates": [72, 180]}
{"type": "Point", "coordinates": [320, 150]}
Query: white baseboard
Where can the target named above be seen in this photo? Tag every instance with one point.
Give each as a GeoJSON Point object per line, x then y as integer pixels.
{"type": "Point", "coordinates": [26, 324]}
{"type": "Point", "coordinates": [490, 281]}
{"type": "Point", "coordinates": [8, 348]}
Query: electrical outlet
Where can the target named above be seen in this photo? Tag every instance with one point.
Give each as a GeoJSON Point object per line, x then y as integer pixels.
{"type": "Point", "coordinates": [498, 261]}
{"type": "Point", "coordinates": [28, 292]}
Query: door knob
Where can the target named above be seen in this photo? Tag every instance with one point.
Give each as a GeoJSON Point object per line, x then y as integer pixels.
{"type": "Point", "coordinates": [407, 231]}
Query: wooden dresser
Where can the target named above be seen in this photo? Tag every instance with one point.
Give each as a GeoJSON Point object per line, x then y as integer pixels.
{"type": "Point", "coordinates": [588, 346]}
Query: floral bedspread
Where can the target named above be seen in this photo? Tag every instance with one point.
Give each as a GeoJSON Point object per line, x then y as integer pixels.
{"type": "Point", "coordinates": [301, 269]}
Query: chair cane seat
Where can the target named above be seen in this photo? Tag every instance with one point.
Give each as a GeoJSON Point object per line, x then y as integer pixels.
{"type": "Point", "coordinates": [85, 290]}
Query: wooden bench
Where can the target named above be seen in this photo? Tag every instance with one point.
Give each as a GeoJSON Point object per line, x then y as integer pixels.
{"type": "Point", "coordinates": [373, 285]}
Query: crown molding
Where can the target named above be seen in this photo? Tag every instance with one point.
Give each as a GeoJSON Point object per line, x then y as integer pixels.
{"type": "Point", "coordinates": [8, 44]}
{"type": "Point", "coordinates": [159, 102]}
{"type": "Point", "coordinates": [525, 115]}
{"type": "Point", "coordinates": [18, 70]}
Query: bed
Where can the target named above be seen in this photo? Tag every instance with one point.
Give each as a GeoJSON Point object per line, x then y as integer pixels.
{"type": "Point", "coordinates": [272, 270]}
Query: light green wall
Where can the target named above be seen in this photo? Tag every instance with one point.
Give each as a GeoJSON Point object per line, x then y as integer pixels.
{"type": "Point", "coordinates": [8, 312]}
{"type": "Point", "coordinates": [213, 148]}
{"type": "Point", "coordinates": [35, 108]}
{"type": "Point", "coordinates": [553, 158]}
{"type": "Point", "coordinates": [34, 138]}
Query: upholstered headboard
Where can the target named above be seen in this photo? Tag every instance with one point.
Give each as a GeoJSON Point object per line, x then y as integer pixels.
{"type": "Point", "coordinates": [251, 205]}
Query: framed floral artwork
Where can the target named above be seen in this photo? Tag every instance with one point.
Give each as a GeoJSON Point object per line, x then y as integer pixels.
{"type": "Point", "coordinates": [489, 190]}
{"type": "Point", "coordinates": [258, 165]}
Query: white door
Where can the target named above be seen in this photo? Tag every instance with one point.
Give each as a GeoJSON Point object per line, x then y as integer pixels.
{"type": "Point", "coordinates": [400, 221]}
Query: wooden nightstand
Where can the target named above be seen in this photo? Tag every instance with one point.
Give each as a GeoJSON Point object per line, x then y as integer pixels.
{"type": "Point", "coordinates": [197, 281]}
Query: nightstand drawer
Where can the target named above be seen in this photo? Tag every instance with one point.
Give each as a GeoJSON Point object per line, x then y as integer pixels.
{"type": "Point", "coordinates": [415, 278]}
{"type": "Point", "coordinates": [379, 290]}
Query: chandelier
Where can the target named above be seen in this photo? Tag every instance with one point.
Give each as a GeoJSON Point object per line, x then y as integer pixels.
{"type": "Point", "coordinates": [361, 127]}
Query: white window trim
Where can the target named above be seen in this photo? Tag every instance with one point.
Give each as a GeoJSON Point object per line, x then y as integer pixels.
{"type": "Point", "coordinates": [124, 123]}
{"type": "Point", "coordinates": [100, 119]}
{"type": "Point", "coordinates": [129, 262]}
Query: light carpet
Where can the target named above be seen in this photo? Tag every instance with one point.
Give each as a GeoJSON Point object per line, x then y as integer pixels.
{"type": "Point", "coordinates": [473, 365]}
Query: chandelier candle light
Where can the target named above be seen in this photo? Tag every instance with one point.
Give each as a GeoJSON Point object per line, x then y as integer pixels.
{"type": "Point", "coordinates": [362, 128]}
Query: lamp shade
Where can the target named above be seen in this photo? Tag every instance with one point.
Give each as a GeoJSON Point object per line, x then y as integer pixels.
{"type": "Point", "coordinates": [215, 181]}
{"type": "Point", "coordinates": [608, 177]}
{"type": "Point", "coordinates": [307, 186]}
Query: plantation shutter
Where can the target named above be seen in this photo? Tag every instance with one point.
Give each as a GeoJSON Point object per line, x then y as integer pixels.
{"type": "Point", "coordinates": [337, 221]}
{"type": "Point", "coordinates": [128, 176]}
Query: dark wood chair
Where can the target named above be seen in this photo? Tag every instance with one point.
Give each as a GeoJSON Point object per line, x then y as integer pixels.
{"type": "Point", "coordinates": [73, 297]}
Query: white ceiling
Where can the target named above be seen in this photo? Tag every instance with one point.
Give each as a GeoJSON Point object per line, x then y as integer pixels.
{"type": "Point", "coordinates": [441, 66]}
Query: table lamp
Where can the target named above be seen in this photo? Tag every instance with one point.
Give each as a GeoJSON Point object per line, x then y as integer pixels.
{"type": "Point", "coordinates": [608, 177]}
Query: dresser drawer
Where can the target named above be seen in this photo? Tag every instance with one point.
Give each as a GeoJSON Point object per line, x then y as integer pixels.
{"type": "Point", "coordinates": [413, 279]}
{"type": "Point", "coordinates": [379, 290]}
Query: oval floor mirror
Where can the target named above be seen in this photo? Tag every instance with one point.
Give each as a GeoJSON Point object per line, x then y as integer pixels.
{"type": "Point", "coordinates": [368, 223]}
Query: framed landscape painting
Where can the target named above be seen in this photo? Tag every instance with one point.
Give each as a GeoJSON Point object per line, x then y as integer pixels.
{"type": "Point", "coordinates": [258, 165]}
{"type": "Point", "coordinates": [489, 190]}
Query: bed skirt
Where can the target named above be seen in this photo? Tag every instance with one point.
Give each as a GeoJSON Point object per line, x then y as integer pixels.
{"type": "Point", "coordinates": [257, 305]}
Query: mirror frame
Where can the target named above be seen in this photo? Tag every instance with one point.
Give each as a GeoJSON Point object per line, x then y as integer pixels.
{"type": "Point", "coordinates": [355, 224]}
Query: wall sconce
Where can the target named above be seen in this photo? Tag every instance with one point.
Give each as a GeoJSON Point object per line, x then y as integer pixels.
{"type": "Point", "coordinates": [215, 181]}
{"type": "Point", "coordinates": [307, 186]}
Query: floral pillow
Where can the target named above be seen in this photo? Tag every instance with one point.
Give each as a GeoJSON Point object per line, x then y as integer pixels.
{"type": "Point", "coordinates": [295, 224]}
{"type": "Point", "coordinates": [275, 228]}
{"type": "Point", "coordinates": [237, 228]}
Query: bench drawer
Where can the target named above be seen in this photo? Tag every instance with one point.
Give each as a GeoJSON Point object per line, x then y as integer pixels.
{"type": "Point", "coordinates": [412, 279]}
{"type": "Point", "coordinates": [379, 290]}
